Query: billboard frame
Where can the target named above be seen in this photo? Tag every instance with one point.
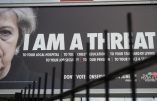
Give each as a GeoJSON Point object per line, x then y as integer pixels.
{"type": "Point", "coordinates": [94, 92]}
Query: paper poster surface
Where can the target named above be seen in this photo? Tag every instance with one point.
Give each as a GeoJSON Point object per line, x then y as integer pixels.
{"type": "Point", "coordinates": [61, 32]}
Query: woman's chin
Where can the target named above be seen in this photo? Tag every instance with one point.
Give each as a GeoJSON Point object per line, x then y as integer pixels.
{"type": "Point", "coordinates": [3, 74]}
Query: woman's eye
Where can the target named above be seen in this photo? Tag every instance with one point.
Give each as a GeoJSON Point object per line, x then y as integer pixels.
{"type": "Point", "coordinates": [5, 34]}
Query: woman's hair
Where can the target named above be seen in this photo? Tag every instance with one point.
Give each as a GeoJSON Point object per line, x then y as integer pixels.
{"type": "Point", "coordinates": [26, 21]}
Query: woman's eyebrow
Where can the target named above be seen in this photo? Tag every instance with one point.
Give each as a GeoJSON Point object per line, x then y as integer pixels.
{"type": "Point", "coordinates": [4, 27]}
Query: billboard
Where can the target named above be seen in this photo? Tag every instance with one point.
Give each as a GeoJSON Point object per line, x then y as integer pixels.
{"type": "Point", "coordinates": [34, 40]}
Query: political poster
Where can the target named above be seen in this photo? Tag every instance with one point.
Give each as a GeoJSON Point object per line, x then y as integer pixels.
{"type": "Point", "coordinates": [37, 39]}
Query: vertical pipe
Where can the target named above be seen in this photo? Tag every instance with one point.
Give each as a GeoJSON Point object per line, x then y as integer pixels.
{"type": "Point", "coordinates": [29, 91]}
{"type": "Point", "coordinates": [62, 80]}
{"type": "Point", "coordinates": [17, 97]}
{"type": "Point", "coordinates": [21, 91]}
{"type": "Point", "coordinates": [45, 84]}
{"type": "Point", "coordinates": [73, 77]}
{"type": "Point", "coordinates": [33, 91]}
{"type": "Point", "coordinates": [87, 72]}
{"type": "Point", "coordinates": [39, 85]}
{"type": "Point", "coordinates": [24, 95]}
{"type": "Point", "coordinates": [106, 65]}
{"type": "Point", "coordinates": [53, 81]}
{"type": "Point", "coordinates": [132, 72]}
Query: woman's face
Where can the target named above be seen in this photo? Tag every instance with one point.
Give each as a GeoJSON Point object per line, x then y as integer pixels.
{"type": "Point", "coordinates": [8, 40]}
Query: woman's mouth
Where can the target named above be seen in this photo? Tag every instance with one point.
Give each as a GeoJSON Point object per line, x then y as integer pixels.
{"type": "Point", "coordinates": [2, 70]}
{"type": "Point", "coordinates": [1, 66]}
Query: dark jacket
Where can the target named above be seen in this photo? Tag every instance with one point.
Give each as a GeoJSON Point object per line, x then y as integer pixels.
{"type": "Point", "coordinates": [18, 75]}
